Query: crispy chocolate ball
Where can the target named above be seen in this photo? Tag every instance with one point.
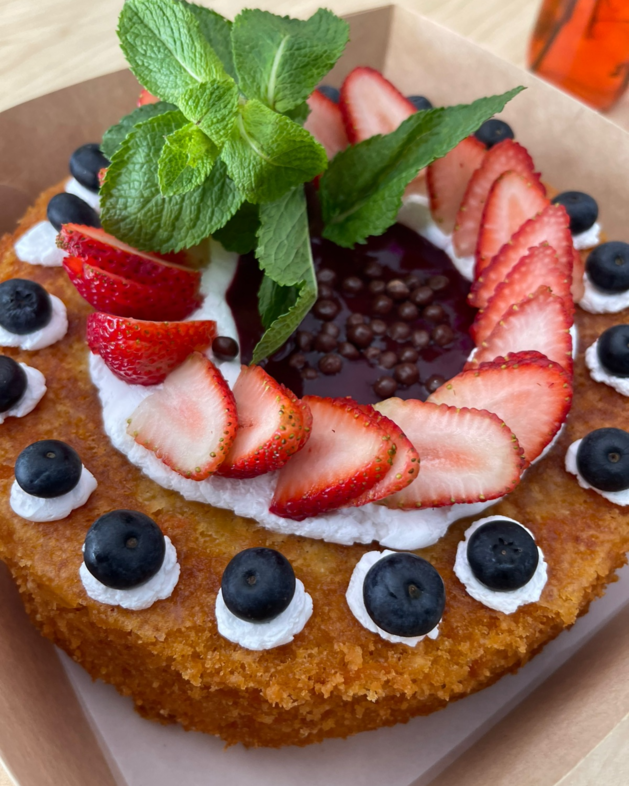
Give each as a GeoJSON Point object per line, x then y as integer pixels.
{"type": "Point", "coordinates": [407, 311]}
{"type": "Point", "coordinates": [422, 296]}
{"type": "Point", "coordinates": [385, 387]}
{"type": "Point", "coordinates": [420, 338]}
{"type": "Point", "coordinates": [326, 309]}
{"type": "Point", "coordinates": [434, 382]}
{"type": "Point", "coordinates": [406, 373]}
{"type": "Point", "coordinates": [397, 289]}
{"type": "Point", "coordinates": [399, 331]}
{"type": "Point", "coordinates": [330, 364]}
{"type": "Point", "coordinates": [381, 304]}
{"type": "Point", "coordinates": [348, 350]}
{"type": "Point", "coordinates": [442, 335]}
{"type": "Point", "coordinates": [360, 335]}
{"type": "Point", "coordinates": [435, 313]}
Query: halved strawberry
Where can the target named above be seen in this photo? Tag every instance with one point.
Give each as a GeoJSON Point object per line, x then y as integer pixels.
{"type": "Point", "coordinates": [325, 123]}
{"type": "Point", "coordinates": [273, 424]}
{"type": "Point", "coordinates": [125, 298]}
{"type": "Point", "coordinates": [504, 157]}
{"type": "Point", "coordinates": [145, 353]}
{"type": "Point", "coordinates": [467, 455]}
{"type": "Point", "coordinates": [190, 424]}
{"type": "Point", "coordinates": [538, 322]}
{"type": "Point", "coordinates": [146, 98]}
{"type": "Point", "coordinates": [112, 255]}
{"type": "Point", "coordinates": [552, 226]}
{"type": "Point", "coordinates": [540, 267]}
{"type": "Point", "coordinates": [405, 462]}
{"type": "Point", "coordinates": [513, 199]}
{"type": "Point", "coordinates": [531, 394]}
{"type": "Point", "coordinates": [346, 455]}
{"type": "Point", "coordinates": [371, 105]}
{"type": "Point", "coordinates": [447, 180]}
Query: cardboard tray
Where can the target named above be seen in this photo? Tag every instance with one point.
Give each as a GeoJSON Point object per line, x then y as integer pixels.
{"type": "Point", "coordinates": [560, 717]}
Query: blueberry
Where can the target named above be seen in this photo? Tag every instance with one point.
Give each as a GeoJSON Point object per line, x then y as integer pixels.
{"type": "Point", "coordinates": [258, 584]}
{"type": "Point", "coordinates": [420, 102]}
{"type": "Point", "coordinates": [48, 468]}
{"type": "Point", "coordinates": [85, 164]}
{"type": "Point", "coordinates": [25, 306]}
{"type": "Point", "coordinates": [69, 209]}
{"type": "Point", "coordinates": [612, 349]}
{"type": "Point", "coordinates": [404, 595]}
{"type": "Point", "coordinates": [581, 208]}
{"type": "Point", "coordinates": [494, 131]}
{"type": "Point", "coordinates": [502, 555]}
{"type": "Point", "coordinates": [333, 93]}
{"type": "Point", "coordinates": [124, 549]}
{"type": "Point", "coordinates": [603, 459]}
{"type": "Point", "coordinates": [13, 383]}
{"type": "Point", "coordinates": [224, 347]}
{"type": "Point", "coordinates": [607, 267]}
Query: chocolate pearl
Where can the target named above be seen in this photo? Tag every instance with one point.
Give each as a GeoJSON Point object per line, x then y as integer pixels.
{"type": "Point", "coordinates": [388, 359]}
{"type": "Point", "coordinates": [422, 296]}
{"type": "Point", "coordinates": [373, 269]}
{"type": "Point", "coordinates": [437, 283]}
{"type": "Point", "coordinates": [377, 286]}
{"type": "Point", "coordinates": [435, 313]}
{"type": "Point", "coordinates": [348, 351]}
{"type": "Point", "coordinates": [412, 281]}
{"type": "Point", "coordinates": [304, 340]}
{"type": "Point", "coordinates": [407, 311]}
{"type": "Point", "coordinates": [399, 331]}
{"type": "Point", "coordinates": [224, 347]}
{"type": "Point", "coordinates": [326, 276]}
{"type": "Point", "coordinates": [331, 329]}
{"type": "Point", "coordinates": [352, 285]}
{"type": "Point", "coordinates": [434, 382]}
{"type": "Point", "coordinates": [379, 326]}
{"type": "Point", "coordinates": [408, 355]}
{"type": "Point", "coordinates": [324, 342]}
{"type": "Point", "coordinates": [442, 335]}
{"type": "Point", "coordinates": [385, 387]}
{"type": "Point", "coordinates": [372, 353]}
{"type": "Point", "coordinates": [406, 373]}
{"type": "Point", "coordinates": [309, 373]}
{"type": "Point", "coordinates": [397, 289]}
{"type": "Point", "coordinates": [360, 335]}
{"type": "Point", "coordinates": [298, 360]}
{"type": "Point", "coordinates": [325, 291]}
{"type": "Point", "coordinates": [355, 319]}
{"type": "Point", "coordinates": [330, 364]}
{"type": "Point", "coordinates": [381, 304]}
{"type": "Point", "coordinates": [326, 309]}
{"type": "Point", "coordinates": [420, 338]}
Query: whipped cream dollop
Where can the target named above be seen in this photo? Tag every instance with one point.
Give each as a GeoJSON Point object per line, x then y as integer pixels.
{"type": "Point", "coordinates": [160, 587]}
{"type": "Point", "coordinates": [356, 602]}
{"type": "Point", "coordinates": [34, 393]}
{"type": "Point", "coordinates": [598, 302]}
{"type": "Point", "coordinates": [37, 246]}
{"type": "Point", "coordinates": [617, 497]}
{"type": "Point", "coordinates": [265, 635]}
{"type": "Point", "coordinates": [588, 239]}
{"type": "Point", "coordinates": [600, 374]}
{"type": "Point", "coordinates": [506, 602]}
{"type": "Point", "coordinates": [39, 509]}
{"type": "Point", "coordinates": [54, 331]}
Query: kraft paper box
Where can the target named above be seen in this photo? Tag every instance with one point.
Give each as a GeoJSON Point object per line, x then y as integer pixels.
{"type": "Point", "coordinates": [555, 721]}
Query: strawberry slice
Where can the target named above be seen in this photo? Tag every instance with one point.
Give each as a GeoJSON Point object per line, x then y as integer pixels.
{"type": "Point", "coordinates": [146, 98]}
{"type": "Point", "coordinates": [113, 256]}
{"type": "Point", "coordinates": [273, 424]}
{"type": "Point", "coordinates": [145, 353]}
{"type": "Point", "coordinates": [371, 105]}
{"type": "Point", "coordinates": [467, 455]}
{"type": "Point", "coordinates": [325, 123]}
{"type": "Point", "coordinates": [191, 422]}
{"type": "Point", "coordinates": [539, 322]}
{"type": "Point", "coordinates": [541, 267]}
{"type": "Point", "coordinates": [513, 199]}
{"type": "Point", "coordinates": [531, 394]}
{"type": "Point", "coordinates": [447, 180]}
{"type": "Point", "coordinates": [405, 462]}
{"type": "Point", "coordinates": [347, 454]}
{"type": "Point", "coordinates": [504, 157]}
{"type": "Point", "coordinates": [114, 294]}
{"type": "Point", "coordinates": [552, 226]}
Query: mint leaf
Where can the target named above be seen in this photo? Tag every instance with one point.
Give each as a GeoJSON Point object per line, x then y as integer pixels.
{"type": "Point", "coordinates": [268, 153]}
{"type": "Point", "coordinates": [280, 60]}
{"type": "Point", "coordinates": [274, 300]}
{"type": "Point", "coordinates": [299, 114]}
{"type": "Point", "coordinates": [287, 323]}
{"type": "Point", "coordinates": [240, 233]}
{"type": "Point", "coordinates": [165, 48]}
{"type": "Point", "coordinates": [136, 212]}
{"type": "Point", "coordinates": [217, 31]}
{"type": "Point", "coordinates": [186, 160]}
{"type": "Point", "coordinates": [115, 136]}
{"type": "Point", "coordinates": [213, 106]}
{"type": "Point", "coordinates": [361, 192]}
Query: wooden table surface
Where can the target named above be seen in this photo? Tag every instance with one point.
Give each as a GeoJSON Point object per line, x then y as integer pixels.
{"type": "Point", "coordinates": [50, 44]}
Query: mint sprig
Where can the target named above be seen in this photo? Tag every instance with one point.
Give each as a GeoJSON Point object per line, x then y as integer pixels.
{"type": "Point", "coordinates": [186, 160]}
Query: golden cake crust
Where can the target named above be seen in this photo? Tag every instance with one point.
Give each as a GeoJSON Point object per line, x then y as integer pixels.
{"type": "Point", "coordinates": [335, 678]}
